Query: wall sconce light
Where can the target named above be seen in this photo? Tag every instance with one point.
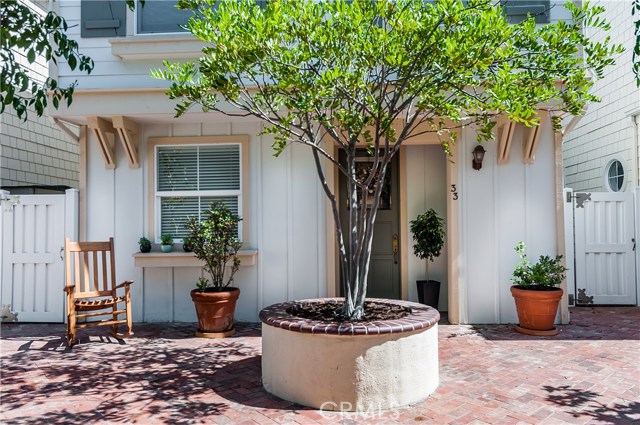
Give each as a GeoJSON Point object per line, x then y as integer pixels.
{"type": "Point", "coordinates": [478, 156]}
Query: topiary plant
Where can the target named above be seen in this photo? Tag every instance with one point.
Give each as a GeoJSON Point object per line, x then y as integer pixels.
{"type": "Point", "coordinates": [214, 240]}
{"type": "Point", "coordinates": [428, 236]}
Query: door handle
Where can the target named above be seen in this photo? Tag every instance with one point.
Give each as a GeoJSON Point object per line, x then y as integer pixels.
{"type": "Point", "coordinates": [395, 248]}
{"type": "Point", "coordinates": [62, 253]}
{"type": "Point", "coordinates": [634, 243]}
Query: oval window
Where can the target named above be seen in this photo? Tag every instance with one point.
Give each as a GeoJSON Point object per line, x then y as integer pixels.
{"type": "Point", "coordinates": [615, 176]}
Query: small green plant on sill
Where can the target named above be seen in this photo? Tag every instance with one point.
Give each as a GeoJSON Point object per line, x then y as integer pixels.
{"type": "Point", "coordinates": [547, 273]}
{"type": "Point", "coordinates": [166, 240]}
{"type": "Point", "coordinates": [144, 243]}
{"type": "Point", "coordinates": [187, 244]}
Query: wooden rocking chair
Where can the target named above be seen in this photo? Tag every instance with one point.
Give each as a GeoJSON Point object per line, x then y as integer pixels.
{"type": "Point", "coordinates": [90, 284]}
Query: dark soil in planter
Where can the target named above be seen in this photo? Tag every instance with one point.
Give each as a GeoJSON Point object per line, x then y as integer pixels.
{"type": "Point", "coordinates": [326, 311]}
{"type": "Point", "coordinates": [217, 289]}
{"type": "Point", "coordinates": [537, 288]}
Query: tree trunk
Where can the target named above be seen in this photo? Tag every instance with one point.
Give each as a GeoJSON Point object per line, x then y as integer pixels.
{"type": "Point", "coordinates": [360, 235]}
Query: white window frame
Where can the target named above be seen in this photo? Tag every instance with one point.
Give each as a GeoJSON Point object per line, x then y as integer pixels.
{"type": "Point", "coordinates": [136, 31]}
{"type": "Point", "coordinates": [607, 182]}
{"type": "Point", "coordinates": [154, 196]}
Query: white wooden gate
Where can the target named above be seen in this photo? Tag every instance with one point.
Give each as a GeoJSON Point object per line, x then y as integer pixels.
{"type": "Point", "coordinates": [33, 232]}
{"type": "Point", "coordinates": [605, 243]}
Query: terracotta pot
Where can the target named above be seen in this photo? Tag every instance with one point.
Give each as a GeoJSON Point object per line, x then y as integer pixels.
{"type": "Point", "coordinates": [536, 310]}
{"type": "Point", "coordinates": [215, 312]}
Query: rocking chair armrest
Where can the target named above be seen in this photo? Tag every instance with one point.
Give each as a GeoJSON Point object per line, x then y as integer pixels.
{"type": "Point", "coordinates": [69, 289]}
{"type": "Point", "coordinates": [124, 284]}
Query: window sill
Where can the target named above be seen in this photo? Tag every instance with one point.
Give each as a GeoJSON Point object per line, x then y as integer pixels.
{"type": "Point", "coordinates": [180, 258]}
{"type": "Point", "coordinates": [161, 46]}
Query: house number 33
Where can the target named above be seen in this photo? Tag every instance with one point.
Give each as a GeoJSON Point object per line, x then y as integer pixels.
{"type": "Point", "coordinates": [454, 191]}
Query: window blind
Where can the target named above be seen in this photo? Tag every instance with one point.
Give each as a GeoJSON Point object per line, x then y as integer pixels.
{"type": "Point", "coordinates": [175, 211]}
{"type": "Point", "coordinates": [207, 173]}
{"type": "Point", "coordinates": [215, 167]}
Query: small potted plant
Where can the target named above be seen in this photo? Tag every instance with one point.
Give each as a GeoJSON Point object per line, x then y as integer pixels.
{"type": "Point", "coordinates": [214, 240]}
{"type": "Point", "coordinates": [187, 244]}
{"type": "Point", "coordinates": [166, 243]}
{"type": "Point", "coordinates": [536, 293]}
{"type": "Point", "coordinates": [428, 236]}
{"type": "Point", "coordinates": [145, 244]}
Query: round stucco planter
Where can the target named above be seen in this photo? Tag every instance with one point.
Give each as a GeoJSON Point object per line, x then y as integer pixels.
{"type": "Point", "coordinates": [363, 366]}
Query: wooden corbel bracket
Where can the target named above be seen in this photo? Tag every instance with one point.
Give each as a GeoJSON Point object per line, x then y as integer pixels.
{"type": "Point", "coordinates": [104, 132]}
{"type": "Point", "coordinates": [128, 135]}
{"type": "Point", "coordinates": [505, 137]}
{"type": "Point", "coordinates": [531, 137]}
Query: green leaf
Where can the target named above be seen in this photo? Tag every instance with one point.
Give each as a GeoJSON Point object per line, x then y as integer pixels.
{"type": "Point", "coordinates": [23, 29]}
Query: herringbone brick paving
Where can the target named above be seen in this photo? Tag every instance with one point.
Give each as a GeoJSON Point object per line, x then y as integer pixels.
{"type": "Point", "coordinates": [590, 373]}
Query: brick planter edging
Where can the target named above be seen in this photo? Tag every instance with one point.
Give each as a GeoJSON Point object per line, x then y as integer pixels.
{"type": "Point", "coordinates": [421, 317]}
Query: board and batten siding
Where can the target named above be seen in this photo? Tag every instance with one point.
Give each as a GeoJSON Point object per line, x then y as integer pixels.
{"type": "Point", "coordinates": [110, 72]}
{"type": "Point", "coordinates": [501, 205]}
{"type": "Point", "coordinates": [288, 236]}
{"type": "Point", "coordinates": [425, 171]}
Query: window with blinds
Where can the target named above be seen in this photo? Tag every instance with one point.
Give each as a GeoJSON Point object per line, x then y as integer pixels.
{"type": "Point", "coordinates": [190, 178]}
{"type": "Point", "coordinates": [164, 17]}
{"type": "Point", "coordinates": [157, 17]}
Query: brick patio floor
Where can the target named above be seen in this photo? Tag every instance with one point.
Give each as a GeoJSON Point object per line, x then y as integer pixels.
{"type": "Point", "coordinates": [590, 373]}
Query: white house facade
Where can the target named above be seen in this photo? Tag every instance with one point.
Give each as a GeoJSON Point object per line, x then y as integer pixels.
{"type": "Point", "coordinates": [132, 148]}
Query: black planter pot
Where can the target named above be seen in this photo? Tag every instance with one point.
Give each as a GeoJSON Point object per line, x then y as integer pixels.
{"type": "Point", "coordinates": [429, 292]}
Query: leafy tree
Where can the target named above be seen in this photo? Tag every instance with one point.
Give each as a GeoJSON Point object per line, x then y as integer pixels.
{"type": "Point", "coordinates": [23, 29]}
{"type": "Point", "coordinates": [367, 74]}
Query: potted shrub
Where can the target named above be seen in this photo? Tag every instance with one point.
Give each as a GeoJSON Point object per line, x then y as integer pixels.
{"type": "Point", "coordinates": [214, 240]}
{"type": "Point", "coordinates": [428, 236]}
{"type": "Point", "coordinates": [536, 292]}
{"type": "Point", "coordinates": [166, 243]}
{"type": "Point", "coordinates": [145, 244]}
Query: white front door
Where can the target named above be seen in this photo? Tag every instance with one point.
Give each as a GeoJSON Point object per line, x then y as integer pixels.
{"type": "Point", "coordinates": [605, 241]}
{"type": "Point", "coordinates": [33, 229]}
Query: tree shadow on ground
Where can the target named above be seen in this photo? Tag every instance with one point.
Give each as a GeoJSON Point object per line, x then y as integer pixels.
{"type": "Point", "coordinates": [585, 403]}
{"type": "Point", "coordinates": [141, 381]}
{"type": "Point", "coordinates": [53, 332]}
{"type": "Point", "coordinates": [587, 323]}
